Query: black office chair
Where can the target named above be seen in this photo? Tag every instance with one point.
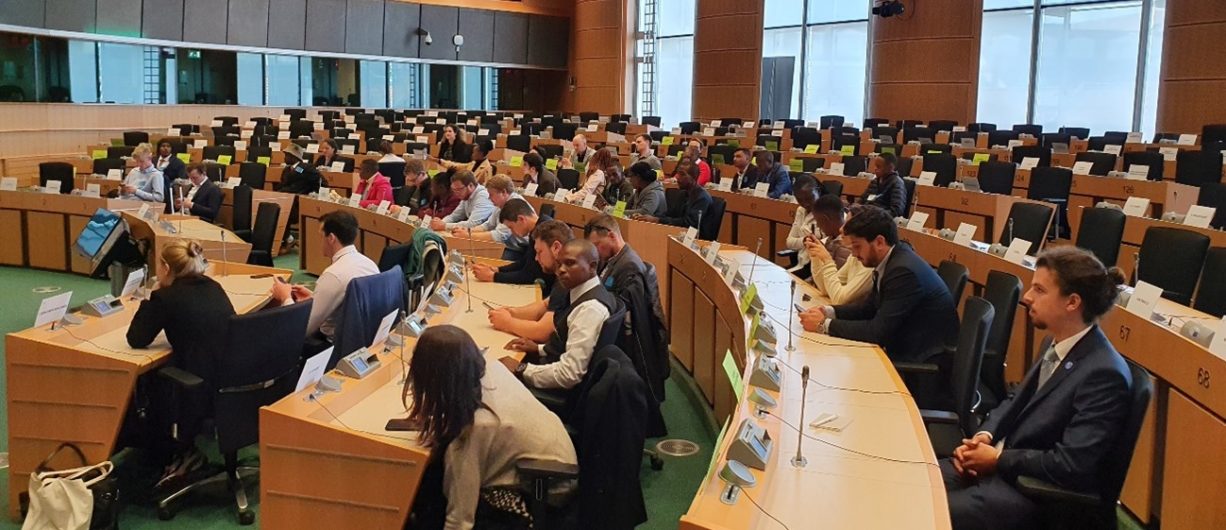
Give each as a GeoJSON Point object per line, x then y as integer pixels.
{"type": "Point", "coordinates": [257, 367]}
{"type": "Point", "coordinates": [394, 171]}
{"type": "Point", "coordinates": [1103, 163]}
{"type": "Point", "coordinates": [135, 138]}
{"type": "Point", "coordinates": [1061, 508]}
{"type": "Point", "coordinates": [519, 142]}
{"type": "Point", "coordinates": [227, 121]}
{"type": "Point", "coordinates": [262, 235]}
{"type": "Point", "coordinates": [254, 152]}
{"type": "Point", "coordinates": [956, 420]}
{"type": "Point", "coordinates": [1101, 232]}
{"type": "Point", "coordinates": [301, 128]}
{"type": "Point", "coordinates": [942, 125]}
{"type": "Point", "coordinates": [1030, 222]}
{"type": "Point", "coordinates": [674, 198]}
{"type": "Point", "coordinates": [61, 171]}
{"type": "Point", "coordinates": [568, 178]}
{"type": "Point", "coordinates": [1100, 143]}
{"type": "Point", "coordinates": [213, 151]}
{"type": "Point", "coordinates": [240, 220]}
{"type": "Point", "coordinates": [119, 151]}
{"type": "Point", "coordinates": [920, 133]}
{"type": "Point", "coordinates": [955, 275]}
{"type": "Point", "coordinates": [1076, 132]}
{"type": "Point", "coordinates": [1023, 152]}
{"type": "Point", "coordinates": [1029, 128]}
{"type": "Point", "coordinates": [854, 165]}
{"type": "Point", "coordinates": [1052, 184]}
{"type": "Point", "coordinates": [841, 141]}
{"type": "Point", "coordinates": [997, 177]}
{"type": "Point", "coordinates": [1171, 258]}
{"type": "Point", "coordinates": [1213, 195]}
{"type": "Point", "coordinates": [650, 120]}
{"type": "Point", "coordinates": [252, 174]}
{"type": "Point", "coordinates": [1000, 138]}
{"type": "Point", "coordinates": [1050, 140]}
{"type": "Point", "coordinates": [186, 129]}
{"type": "Point", "coordinates": [1160, 137]}
{"type": "Point", "coordinates": [1003, 291]}
{"type": "Point", "coordinates": [102, 166]}
{"type": "Point", "coordinates": [1198, 167]}
{"type": "Point", "coordinates": [979, 127]}
{"type": "Point", "coordinates": [884, 132]}
{"type": "Point", "coordinates": [1150, 159]}
{"type": "Point", "coordinates": [588, 116]}
{"type": "Point", "coordinates": [829, 121]}
{"type": "Point", "coordinates": [1211, 295]}
{"type": "Point", "coordinates": [367, 301]}
{"type": "Point", "coordinates": [812, 164]}
{"type": "Point", "coordinates": [944, 165]}
{"type": "Point", "coordinates": [908, 185]}
{"type": "Point", "coordinates": [874, 123]}
{"type": "Point", "coordinates": [228, 139]}
{"type": "Point", "coordinates": [712, 220]}
{"type": "Point", "coordinates": [831, 187]}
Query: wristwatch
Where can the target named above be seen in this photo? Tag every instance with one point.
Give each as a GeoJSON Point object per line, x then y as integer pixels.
{"type": "Point", "coordinates": [519, 370]}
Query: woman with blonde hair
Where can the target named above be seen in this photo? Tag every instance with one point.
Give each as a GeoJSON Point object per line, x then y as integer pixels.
{"type": "Point", "coordinates": [193, 310]}
{"type": "Point", "coordinates": [597, 169]}
{"type": "Point", "coordinates": [145, 181]}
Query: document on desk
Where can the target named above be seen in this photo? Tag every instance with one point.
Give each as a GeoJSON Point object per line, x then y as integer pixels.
{"type": "Point", "coordinates": [114, 344]}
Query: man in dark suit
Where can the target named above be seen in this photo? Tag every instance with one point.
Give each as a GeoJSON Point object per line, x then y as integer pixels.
{"type": "Point", "coordinates": [518, 216]}
{"type": "Point", "coordinates": [172, 168]}
{"type": "Point", "coordinates": [887, 190]}
{"type": "Point", "coordinates": [204, 199]}
{"type": "Point", "coordinates": [299, 176]}
{"type": "Point", "coordinates": [697, 200]}
{"type": "Point", "coordinates": [1067, 413]}
{"type": "Point", "coordinates": [910, 313]}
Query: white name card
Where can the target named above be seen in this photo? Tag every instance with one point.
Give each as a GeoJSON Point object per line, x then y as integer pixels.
{"type": "Point", "coordinates": [708, 131]}
{"type": "Point", "coordinates": [200, 143]}
{"type": "Point", "coordinates": [93, 190]}
{"type": "Point", "coordinates": [836, 168]}
{"type": "Point", "coordinates": [283, 117]}
{"type": "Point", "coordinates": [917, 220]}
{"type": "Point", "coordinates": [1218, 346]}
{"type": "Point", "coordinates": [1082, 168]}
{"type": "Point", "coordinates": [338, 167]}
{"type": "Point", "coordinates": [483, 132]}
{"type": "Point", "coordinates": [589, 201]}
{"type": "Point", "coordinates": [1112, 149]}
{"type": "Point", "coordinates": [418, 130]}
{"type": "Point", "coordinates": [965, 235]}
{"type": "Point", "coordinates": [52, 187]}
{"type": "Point", "coordinates": [1199, 216]}
{"type": "Point", "coordinates": [347, 149]}
{"type": "Point", "coordinates": [383, 207]}
{"type": "Point", "coordinates": [1029, 162]}
{"type": "Point", "coordinates": [1017, 251]}
{"type": "Point", "coordinates": [531, 188]}
{"type": "Point", "coordinates": [355, 200]}
{"type": "Point", "coordinates": [240, 145]}
{"type": "Point", "coordinates": [1136, 206]}
{"type": "Point", "coordinates": [173, 131]}
{"type": "Point", "coordinates": [283, 135]}
{"type": "Point", "coordinates": [1144, 298]}
{"type": "Point", "coordinates": [144, 211]}
{"type": "Point", "coordinates": [690, 235]}
{"type": "Point", "coordinates": [134, 281]}
{"type": "Point", "coordinates": [318, 126]}
{"type": "Point", "coordinates": [215, 123]}
{"type": "Point", "coordinates": [1014, 143]}
{"type": "Point", "coordinates": [927, 178]}
{"type": "Point", "coordinates": [354, 136]}
{"type": "Point", "coordinates": [1169, 153]}
{"type": "Point", "coordinates": [1138, 172]}
{"type": "Point", "coordinates": [114, 174]}
{"type": "Point", "coordinates": [724, 184]}
{"type": "Point", "coordinates": [403, 216]}
{"type": "Point", "coordinates": [1186, 139]}
{"type": "Point", "coordinates": [52, 309]}
{"type": "Point", "coordinates": [712, 252]}
{"type": "Point", "coordinates": [233, 182]}
{"type": "Point", "coordinates": [425, 221]}
{"type": "Point", "coordinates": [593, 127]}
{"type": "Point", "coordinates": [761, 189]}
{"type": "Point", "coordinates": [1134, 138]}
{"type": "Point", "coordinates": [8, 184]}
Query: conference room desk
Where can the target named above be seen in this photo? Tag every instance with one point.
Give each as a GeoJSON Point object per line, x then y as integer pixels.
{"type": "Point", "coordinates": [105, 186]}
{"type": "Point", "coordinates": [1088, 190]}
{"type": "Point", "coordinates": [225, 216]}
{"type": "Point", "coordinates": [330, 464]}
{"type": "Point", "coordinates": [1134, 234]}
{"type": "Point", "coordinates": [376, 232]}
{"type": "Point", "coordinates": [838, 488]}
{"type": "Point", "coordinates": [75, 384]}
{"type": "Point", "coordinates": [339, 181]}
{"type": "Point", "coordinates": [218, 243]}
{"type": "Point", "coordinates": [42, 228]}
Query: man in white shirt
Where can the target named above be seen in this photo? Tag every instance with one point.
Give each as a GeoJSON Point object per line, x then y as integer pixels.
{"type": "Point", "coordinates": [562, 362]}
{"type": "Point", "coordinates": [475, 205]}
{"type": "Point", "coordinates": [804, 225]}
{"type": "Point", "coordinates": [144, 182]}
{"type": "Point", "coordinates": [501, 190]}
{"type": "Point", "coordinates": [339, 230]}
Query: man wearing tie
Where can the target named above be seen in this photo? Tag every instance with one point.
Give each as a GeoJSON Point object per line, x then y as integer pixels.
{"type": "Point", "coordinates": [204, 199]}
{"type": "Point", "coordinates": [1068, 411]}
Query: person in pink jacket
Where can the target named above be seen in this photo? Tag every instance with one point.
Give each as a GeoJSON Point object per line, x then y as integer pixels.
{"type": "Point", "coordinates": [374, 187]}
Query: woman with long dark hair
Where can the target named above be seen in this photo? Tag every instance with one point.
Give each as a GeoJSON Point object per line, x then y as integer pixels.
{"type": "Point", "coordinates": [452, 147]}
{"type": "Point", "coordinates": [482, 420]}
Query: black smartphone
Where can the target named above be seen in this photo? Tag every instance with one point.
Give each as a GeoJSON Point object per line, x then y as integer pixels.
{"type": "Point", "coordinates": [261, 276]}
{"type": "Point", "coordinates": [488, 305]}
{"type": "Point", "coordinates": [402, 425]}
{"type": "Point", "coordinates": [799, 309]}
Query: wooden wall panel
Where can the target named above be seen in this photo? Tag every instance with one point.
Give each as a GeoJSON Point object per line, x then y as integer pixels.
{"type": "Point", "coordinates": [601, 32]}
{"type": "Point", "coordinates": [925, 64]}
{"type": "Point", "coordinates": [1193, 75]}
{"type": "Point", "coordinates": [727, 59]}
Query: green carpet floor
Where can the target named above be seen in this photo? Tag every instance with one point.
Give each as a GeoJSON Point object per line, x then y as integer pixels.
{"type": "Point", "coordinates": [668, 492]}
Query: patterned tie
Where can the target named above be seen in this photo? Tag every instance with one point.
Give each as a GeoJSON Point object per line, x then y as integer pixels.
{"type": "Point", "coordinates": [1050, 361]}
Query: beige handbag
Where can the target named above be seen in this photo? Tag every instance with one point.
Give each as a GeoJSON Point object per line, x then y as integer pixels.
{"type": "Point", "coordinates": [62, 500]}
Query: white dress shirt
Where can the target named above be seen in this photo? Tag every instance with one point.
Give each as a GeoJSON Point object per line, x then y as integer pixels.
{"type": "Point", "coordinates": [848, 284]}
{"type": "Point", "coordinates": [583, 330]}
{"type": "Point", "coordinates": [802, 225]}
{"type": "Point", "coordinates": [390, 157]}
{"type": "Point", "coordinates": [472, 212]}
{"type": "Point", "coordinates": [163, 162]}
{"type": "Point", "coordinates": [347, 264]}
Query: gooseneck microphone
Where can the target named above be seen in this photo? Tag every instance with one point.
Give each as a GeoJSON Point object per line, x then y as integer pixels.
{"type": "Point", "coordinates": [799, 460]}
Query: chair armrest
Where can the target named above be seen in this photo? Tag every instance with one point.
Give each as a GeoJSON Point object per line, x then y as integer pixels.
{"type": "Point", "coordinates": [1042, 490]}
{"type": "Point", "coordinates": [938, 416]}
{"type": "Point", "coordinates": [917, 368]}
{"type": "Point", "coordinates": [552, 399]}
{"type": "Point", "coordinates": [180, 377]}
{"type": "Point", "coordinates": [415, 280]}
{"type": "Point", "coordinates": [532, 468]}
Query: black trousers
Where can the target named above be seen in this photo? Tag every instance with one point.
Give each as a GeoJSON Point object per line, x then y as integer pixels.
{"type": "Point", "coordinates": [986, 503]}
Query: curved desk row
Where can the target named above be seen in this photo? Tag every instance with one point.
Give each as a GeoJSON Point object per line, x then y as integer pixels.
{"type": "Point", "coordinates": [74, 384]}
{"type": "Point", "coordinates": [42, 228]}
{"type": "Point", "coordinates": [1134, 233]}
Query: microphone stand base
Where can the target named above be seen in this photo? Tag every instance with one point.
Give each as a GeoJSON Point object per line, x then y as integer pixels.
{"type": "Point", "coordinates": [799, 461]}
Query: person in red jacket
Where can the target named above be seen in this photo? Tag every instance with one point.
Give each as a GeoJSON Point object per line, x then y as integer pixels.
{"type": "Point", "coordinates": [374, 187]}
{"type": "Point", "coordinates": [693, 151]}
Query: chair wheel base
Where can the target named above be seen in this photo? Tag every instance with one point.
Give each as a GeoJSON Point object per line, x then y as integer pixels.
{"type": "Point", "coordinates": [165, 514]}
{"type": "Point", "coordinates": [657, 463]}
{"type": "Point", "coordinates": [246, 517]}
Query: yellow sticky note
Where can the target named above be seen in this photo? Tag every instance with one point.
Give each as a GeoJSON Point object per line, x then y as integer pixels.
{"type": "Point", "coordinates": [551, 164]}
{"type": "Point", "coordinates": [734, 375]}
{"type": "Point", "coordinates": [264, 160]}
{"type": "Point", "coordinates": [753, 326]}
{"type": "Point", "coordinates": [719, 440]}
{"type": "Point", "coordinates": [796, 164]}
{"type": "Point", "coordinates": [185, 157]}
{"type": "Point", "coordinates": [99, 153]}
{"type": "Point", "coordinates": [811, 149]}
{"type": "Point", "coordinates": [619, 210]}
{"type": "Point", "coordinates": [848, 150]}
{"type": "Point", "coordinates": [772, 145]}
{"type": "Point", "coordinates": [517, 161]}
{"type": "Point", "coordinates": [223, 160]}
{"type": "Point", "coordinates": [980, 158]}
{"type": "Point", "coordinates": [667, 140]}
{"type": "Point", "coordinates": [747, 297]}
{"type": "Point", "coordinates": [432, 172]}
{"type": "Point", "coordinates": [659, 174]}
{"type": "Point", "coordinates": [718, 158]}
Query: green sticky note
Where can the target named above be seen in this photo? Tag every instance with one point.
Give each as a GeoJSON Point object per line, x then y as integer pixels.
{"type": "Point", "coordinates": [667, 140]}
{"type": "Point", "coordinates": [223, 160]}
{"type": "Point", "coordinates": [715, 452]}
{"type": "Point", "coordinates": [659, 174]}
{"type": "Point", "coordinates": [264, 160]}
{"type": "Point", "coordinates": [551, 164]}
{"type": "Point", "coordinates": [980, 158]}
{"type": "Point", "coordinates": [889, 149]}
{"type": "Point", "coordinates": [747, 297]}
{"type": "Point", "coordinates": [933, 152]}
{"type": "Point", "coordinates": [811, 149]}
{"type": "Point", "coordinates": [734, 143]}
{"type": "Point", "coordinates": [796, 164]}
{"type": "Point", "coordinates": [753, 326]}
{"type": "Point", "coordinates": [848, 150]}
{"type": "Point", "coordinates": [772, 145]}
{"type": "Point", "coordinates": [718, 158]}
{"type": "Point", "coordinates": [619, 210]}
{"type": "Point", "coordinates": [517, 161]}
{"type": "Point", "coordinates": [432, 172]}
{"type": "Point", "coordinates": [99, 154]}
{"type": "Point", "coordinates": [185, 157]}
{"type": "Point", "coordinates": [734, 375]}
{"type": "Point", "coordinates": [581, 167]}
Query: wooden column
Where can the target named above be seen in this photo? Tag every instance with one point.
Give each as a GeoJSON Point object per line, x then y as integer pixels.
{"type": "Point", "coordinates": [727, 59]}
{"type": "Point", "coordinates": [1193, 76]}
{"type": "Point", "coordinates": [925, 63]}
{"type": "Point", "coordinates": [600, 56]}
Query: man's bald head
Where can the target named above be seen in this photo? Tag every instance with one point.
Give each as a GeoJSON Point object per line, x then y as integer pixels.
{"type": "Point", "coordinates": [577, 263]}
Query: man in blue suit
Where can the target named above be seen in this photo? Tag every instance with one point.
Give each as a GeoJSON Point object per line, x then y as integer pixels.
{"type": "Point", "coordinates": [1067, 413]}
{"type": "Point", "coordinates": [910, 313]}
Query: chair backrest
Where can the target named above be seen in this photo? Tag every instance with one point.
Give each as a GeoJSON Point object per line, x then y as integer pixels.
{"type": "Point", "coordinates": [1003, 291]}
{"type": "Point", "coordinates": [919, 132]}
{"type": "Point", "coordinates": [1198, 167]}
{"type": "Point", "coordinates": [997, 177]}
{"type": "Point", "coordinates": [213, 151]}
{"type": "Point", "coordinates": [886, 131]}
{"type": "Point", "coordinates": [829, 121]}
{"type": "Point", "coordinates": [812, 164]}
{"type": "Point", "coordinates": [261, 347]}
{"type": "Point", "coordinates": [1030, 222]}
{"type": "Point", "coordinates": [551, 151]}
{"type": "Point", "coordinates": [854, 165]}
{"type": "Point", "coordinates": [618, 127]}
{"type": "Point", "coordinates": [61, 171]}
{"type": "Point", "coordinates": [996, 137]}
{"type": "Point", "coordinates": [712, 220]}
{"type": "Point", "coordinates": [241, 218]}
{"type": "Point", "coordinates": [394, 171]}
{"type": "Point", "coordinates": [253, 174]}
{"type": "Point", "coordinates": [1103, 163]}
{"type": "Point", "coordinates": [568, 178]}
{"type": "Point", "coordinates": [394, 255]}
{"type": "Point", "coordinates": [1028, 128]}
{"type": "Point", "coordinates": [650, 120]}
{"type": "Point", "coordinates": [832, 187]}
{"type": "Point", "coordinates": [1101, 232]}
{"type": "Point", "coordinates": [367, 300]}
{"type": "Point", "coordinates": [943, 125]}
{"type": "Point", "coordinates": [1213, 195]}
{"type": "Point", "coordinates": [908, 185]}
{"type": "Point", "coordinates": [1151, 159]}
{"type": "Point", "coordinates": [1022, 152]}
{"type": "Point", "coordinates": [874, 123]}
{"type": "Point", "coordinates": [944, 165]}
{"type": "Point", "coordinates": [979, 127]}
{"type": "Point", "coordinates": [519, 142]}
{"type": "Point", "coordinates": [1115, 466]}
{"type": "Point", "coordinates": [103, 165]}
{"type": "Point", "coordinates": [1051, 139]}
{"type": "Point", "coordinates": [254, 152]}
{"type": "Point", "coordinates": [955, 275]}
{"type": "Point", "coordinates": [1048, 183]}
{"type": "Point", "coordinates": [135, 137]}
{"type": "Point", "coordinates": [1171, 258]}
{"type": "Point", "coordinates": [1213, 132]}
{"type": "Point", "coordinates": [265, 228]}
{"type": "Point", "coordinates": [186, 129]}
{"type": "Point", "coordinates": [1211, 294]}
{"type": "Point", "coordinates": [1076, 132]}
{"type": "Point", "coordinates": [973, 334]}
{"type": "Point", "coordinates": [119, 151]}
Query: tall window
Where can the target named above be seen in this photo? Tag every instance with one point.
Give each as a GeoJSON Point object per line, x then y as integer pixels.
{"type": "Point", "coordinates": [402, 79]}
{"type": "Point", "coordinates": [673, 86]}
{"type": "Point", "coordinates": [825, 43]}
{"type": "Point", "coordinates": [282, 80]}
{"type": "Point", "coordinates": [118, 78]}
{"type": "Point", "coordinates": [372, 83]}
{"type": "Point", "coordinates": [1087, 72]}
{"type": "Point", "coordinates": [250, 79]}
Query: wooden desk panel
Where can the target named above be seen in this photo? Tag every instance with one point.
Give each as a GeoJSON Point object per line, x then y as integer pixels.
{"type": "Point", "coordinates": [1193, 472]}
{"type": "Point", "coordinates": [45, 226]}
{"type": "Point", "coordinates": [48, 234]}
{"type": "Point", "coordinates": [13, 239]}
